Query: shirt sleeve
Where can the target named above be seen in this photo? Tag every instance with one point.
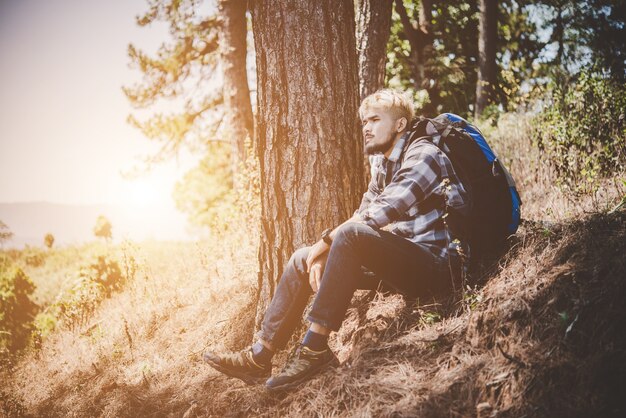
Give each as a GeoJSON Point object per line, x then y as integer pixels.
{"type": "Point", "coordinates": [416, 179]}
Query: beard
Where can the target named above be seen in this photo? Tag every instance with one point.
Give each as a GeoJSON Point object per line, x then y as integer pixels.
{"type": "Point", "coordinates": [380, 147]}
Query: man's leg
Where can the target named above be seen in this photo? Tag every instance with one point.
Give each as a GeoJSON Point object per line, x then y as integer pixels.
{"type": "Point", "coordinates": [292, 294]}
{"type": "Point", "coordinates": [401, 264]}
{"type": "Point", "coordinates": [283, 315]}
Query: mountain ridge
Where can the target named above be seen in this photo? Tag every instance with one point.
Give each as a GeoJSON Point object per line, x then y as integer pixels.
{"type": "Point", "coordinates": [73, 223]}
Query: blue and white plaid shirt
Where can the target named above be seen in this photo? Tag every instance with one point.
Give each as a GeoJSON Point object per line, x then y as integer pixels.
{"type": "Point", "coordinates": [408, 193]}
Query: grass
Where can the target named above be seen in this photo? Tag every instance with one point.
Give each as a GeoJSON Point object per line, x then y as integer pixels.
{"type": "Point", "coordinates": [539, 338]}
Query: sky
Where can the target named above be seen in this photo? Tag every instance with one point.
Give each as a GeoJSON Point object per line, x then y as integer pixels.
{"type": "Point", "coordinates": [63, 131]}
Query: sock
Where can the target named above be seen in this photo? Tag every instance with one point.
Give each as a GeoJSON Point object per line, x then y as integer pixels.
{"type": "Point", "coordinates": [261, 354]}
{"type": "Point", "coordinates": [315, 341]}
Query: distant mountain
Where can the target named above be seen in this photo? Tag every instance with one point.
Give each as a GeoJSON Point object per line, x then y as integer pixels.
{"type": "Point", "coordinates": [73, 224]}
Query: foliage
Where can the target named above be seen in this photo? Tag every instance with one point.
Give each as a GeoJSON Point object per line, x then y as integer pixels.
{"type": "Point", "coordinates": [48, 240]}
{"type": "Point", "coordinates": [206, 192]}
{"type": "Point", "coordinates": [103, 228]}
{"type": "Point", "coordinates": [604, 35]}
{"type": "Point", "coordinates": [538, 42]}
{"type": "Point", "coordinates": [33, 256]}
{"type": "Point", "coordinates": [583, 32]}
{"type": "Point", "coordinates": [45, 322]}
{"type": "Point", "coordinates": [520, 52]}
{"type": "Point", "coordinates": [185, 75]}
{"type": "Point", "coordinates": [213, 197]}
{"type": "Point", "coordinates": [582, 131]}
{"type": "Point", "coordinates": [454, 64]}
{"type": "Point", "coordinates": [455, 48]}
{"type": "Point", "coordinates": [180, 73]}
{"type": "Point", "coordinates": [95, 282]}
{"type": "Point", "coordinates": [17, 310]}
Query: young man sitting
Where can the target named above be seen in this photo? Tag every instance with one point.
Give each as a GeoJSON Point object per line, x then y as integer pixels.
{"type": "Point", "coordinates": [398, 233]}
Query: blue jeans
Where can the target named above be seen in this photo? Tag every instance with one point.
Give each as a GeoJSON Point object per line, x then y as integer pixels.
{"type": "Point", "coordinates": [357, 251]}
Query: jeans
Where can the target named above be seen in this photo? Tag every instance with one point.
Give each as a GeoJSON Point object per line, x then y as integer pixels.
{"type": "Point", "coordinates": [357, 251]}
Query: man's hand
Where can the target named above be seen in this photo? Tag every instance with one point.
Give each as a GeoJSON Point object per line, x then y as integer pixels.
{"type": "Point", "coordinates": [319, 248]}
{"type": "Point", "coordinates": [316, 269]}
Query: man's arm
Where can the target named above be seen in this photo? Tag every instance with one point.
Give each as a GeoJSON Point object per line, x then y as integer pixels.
{"type": "Point", "coordinates": [416, 180]}
{"type": "Point", "coordinates": [321, 247]}
{"type": "Point", "coordinates": [413, 182]}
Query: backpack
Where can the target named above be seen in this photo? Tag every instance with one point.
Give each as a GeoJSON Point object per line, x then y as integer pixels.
{"type": "Point", "coordinates": [494, 207]}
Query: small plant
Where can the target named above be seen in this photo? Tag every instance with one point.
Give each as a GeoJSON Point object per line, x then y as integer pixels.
{"type": "Point", "coordinates": [96, 281]}
{"type": "Point", "coordinates": [428, 317]}
{"type": "Point", "coordinates": [78, 304]}
{"type": "Point", "coordinates": [472, 297]}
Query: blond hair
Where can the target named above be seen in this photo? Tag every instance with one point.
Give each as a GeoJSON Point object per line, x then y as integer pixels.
{"type": "Point", "coordinates": [398, 103]}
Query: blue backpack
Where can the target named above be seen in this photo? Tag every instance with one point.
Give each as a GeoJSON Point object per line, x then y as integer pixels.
{"type": "Point", "coordinates": [495, 205]}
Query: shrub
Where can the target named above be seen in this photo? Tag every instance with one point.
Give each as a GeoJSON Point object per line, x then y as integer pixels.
{"type": "Point", "coordinates": [17, 310]}
{"type": "Point", "coordinates": [582, 131]}
{"type": "Point", "coordinates": [103, 228]}
{"type": "Point", "coordinates": [106, 273]}
{"type": "Point", "coordinates": [96, 281]}
{"type": "Point", "coordinates": [5, 233]}
{"type": "Point", "coordinates": [33, 257]}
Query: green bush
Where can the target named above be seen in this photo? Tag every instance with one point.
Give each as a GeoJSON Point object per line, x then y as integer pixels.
{"type": "Point", "coordinates": [106, 273]}
{"type": "Point", "coordinates": [33, 257]}
{"type": "Point", "coordinates": [16, 309]}
{"type": "Point", "coordinates": [582, 131]}
{"type": "Point", "coordinates": [96, 281]}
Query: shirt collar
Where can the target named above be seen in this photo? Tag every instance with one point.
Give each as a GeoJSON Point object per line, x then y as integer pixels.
{"type": "Point", "coordinates": [398, 148]}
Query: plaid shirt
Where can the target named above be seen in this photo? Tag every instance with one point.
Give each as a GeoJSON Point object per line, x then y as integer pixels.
{"type": "Point", "coordinates": [408, 193]}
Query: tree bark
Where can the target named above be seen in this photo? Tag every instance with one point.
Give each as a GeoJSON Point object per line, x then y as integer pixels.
{"type": "Point", "coordinates": [308, 135]}
{"type": "Point", "coordinates": [373, 23]}
{"type": "Point", "coordinates": [238, 121]}
{"type": "Point", "coordinates": [487, 67]}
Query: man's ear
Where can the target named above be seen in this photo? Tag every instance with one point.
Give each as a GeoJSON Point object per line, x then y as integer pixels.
{"type": "Point", "coordinates": [401, 124]}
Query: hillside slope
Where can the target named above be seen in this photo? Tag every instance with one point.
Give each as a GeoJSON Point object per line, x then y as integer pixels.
{"type": "Point", "coordinates": [543, 337]}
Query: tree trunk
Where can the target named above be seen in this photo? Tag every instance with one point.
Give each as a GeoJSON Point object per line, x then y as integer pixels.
{"type": "Point", "coordinates": [238, 120]}
{"type": "Point", "coordinates": [308, 134]}
{"type": "Point", "coordinates": [487, 68]}
{"type": "Point", "coordinates": [373, 22]}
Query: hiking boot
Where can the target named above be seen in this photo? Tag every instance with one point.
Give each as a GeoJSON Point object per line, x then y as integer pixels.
{"type": "Point", "coordinates": [301, 366]}
{"type": "Point", "coordinates": [240, 365]}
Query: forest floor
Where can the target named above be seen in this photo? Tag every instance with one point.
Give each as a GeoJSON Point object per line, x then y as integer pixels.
{"type": "Point", "coordinates": [538, 333]}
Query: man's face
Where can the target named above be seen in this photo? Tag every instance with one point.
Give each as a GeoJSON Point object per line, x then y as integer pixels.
{"type": "Point", "coordinates": [379, 130]}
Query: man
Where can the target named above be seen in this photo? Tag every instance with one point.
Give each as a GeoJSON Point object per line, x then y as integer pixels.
{"type": "Point", "coordinates": [398, 233]}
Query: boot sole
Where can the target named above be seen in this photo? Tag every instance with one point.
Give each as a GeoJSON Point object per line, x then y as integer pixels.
{"type": "Point", "coordinates": [302, 379]}
{"type": "Point", "coordinates": [247, 379]}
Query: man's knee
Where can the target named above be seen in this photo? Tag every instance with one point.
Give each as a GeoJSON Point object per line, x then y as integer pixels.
{"type": "Point", "coordinates": [351, 231]}
{"type": "Point", "coordinates": [298, 259]}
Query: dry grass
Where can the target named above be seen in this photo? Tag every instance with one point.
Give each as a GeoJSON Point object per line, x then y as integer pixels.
{"type": "Point", "coordinates": [541, 338]}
